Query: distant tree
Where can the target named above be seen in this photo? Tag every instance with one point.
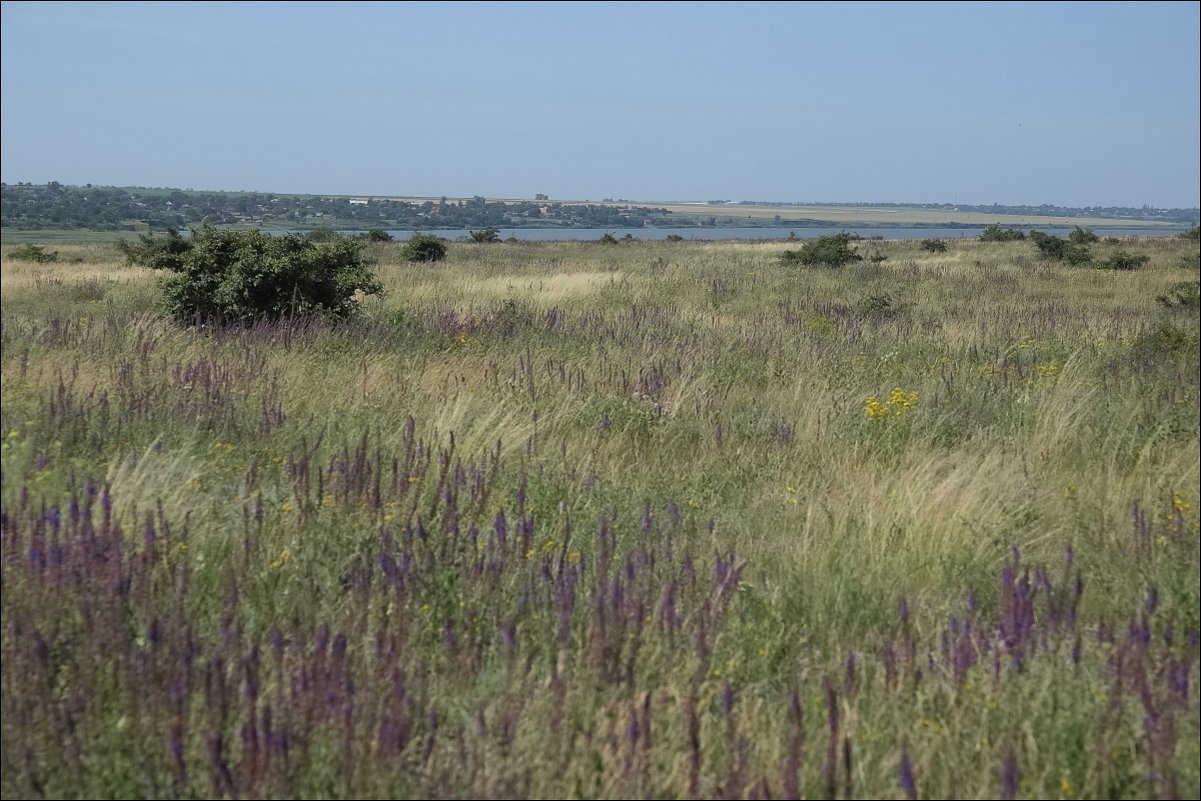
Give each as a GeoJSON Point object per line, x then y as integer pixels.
{"type": "Point", "coordinates": [485, 236]}
{"type": "Point", "coordinates": [673, 238]}
{"type": "Point", "coordinates": [934, 246]}
{"type": "Point", "coordinates": [377, 235]}
{"type": "Point", "coordinates": [244, 276]}
{"type": "Point", "coordinates": [607, 239]}
{"type": "Point", "coordinates": [541, 197]}
{"type": "Point", "coordinates": [995, 233]}
{"type": "Point", "coordinates": [424, 248]}
{"type": "Point", "coordinates": [825, 251]}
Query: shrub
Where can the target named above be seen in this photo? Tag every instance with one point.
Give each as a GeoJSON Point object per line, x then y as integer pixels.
{"type": "Point", "coordinates": [1185, 295]}
{"type": "Point", "coordinates": [1052, 247]}
{"type": "Point", "coordinates": [829, 251]}
{"type": "Point", "coordinates": [878, 307]}
{"type": "Point", "coordinates": [424, 248]}
{"type": "Point", "coordinates": [1167, 340]}
{"type": "Point", "coordinates": [1193, 233]}
{"type": "Point", "coordinates": [376, 235]}
{"type": "Point", "coordinates": [1082, 236]}
{"type": "Point", "coordinates": [485, 236]}
{"type": "Point", "coordinates": [1121, 260]}
{"type": "Point", "coordinates": [323, 233]}
{"type": "Point", "coordinates": [673, 238]}
{"type": "Point", "coordinates": [30, 252]}
{"type": "Point", "coordinates": [995, 233]}
{"type": "Point", "coordinates": [244, 276]}
{"type": "Point", "coordinates": [607, 239]}
{"type": "Point", "coordinates": [934, 246]}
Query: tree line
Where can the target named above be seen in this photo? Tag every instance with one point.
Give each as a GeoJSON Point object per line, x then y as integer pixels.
{"type": "Point", "coordinates": [55, 205]}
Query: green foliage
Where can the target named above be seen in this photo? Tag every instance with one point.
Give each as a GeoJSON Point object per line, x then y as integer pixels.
{"type": "Point", "coordinates": [826, 251]}
{"type": "Point", "coordinates": [424, 248]}
{"type": "Point", "coordinates": [377, 235]}
{"type": "Point", "coordinates": [1121, 260]}
{"type": "Point", "coordinates": [1185, 295]}
{"type": "Point", "coordinates": [485, 236]}
{"type": "Point", "coordinates": [1193, 233]}
{"type": "Point", "coordinates": [31, 252]}
{"type": "Point", "coordinates": [607, 239]}
{"type": "Point", "coordinates": [1053, 247]}
{"type": "Point", "coordinates": [879, 307]}
{"type": "Point", "coordinates": [1167, 340]}
{"type": "Point", "coordinates": [934, 246]}
{"type": "Point", "coordinates": [1082, 236]}
{"type": "Point", "coordinates": [1190, 261]}
{"type": "Point", "coordinates": [323, 233]}
{"type": "Point", "coordinates": [246, 276]}
{"type": "Point", "coordinates": [673, 238]}
{"type": "Point", "coordinates": [995, 233]}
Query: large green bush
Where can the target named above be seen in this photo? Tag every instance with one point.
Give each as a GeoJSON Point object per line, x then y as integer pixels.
{"type": "Point", "coordinates": [1067, 251]}
{"type": "Point", "coordinates": [995, 233]}
{"type": "Point", "coordinates": [827, 251]}
{"type": "Point", "coordinates": [244, 276]}
{"type": "Point", "coordinates": [424, 248]}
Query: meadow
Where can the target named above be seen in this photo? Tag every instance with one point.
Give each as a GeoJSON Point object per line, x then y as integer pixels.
{"type": "Point", "coordinates": [664, 520]}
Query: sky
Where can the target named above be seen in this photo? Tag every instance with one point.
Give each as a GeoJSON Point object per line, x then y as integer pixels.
{"type": "Point", "coordinates": [1074, 104]}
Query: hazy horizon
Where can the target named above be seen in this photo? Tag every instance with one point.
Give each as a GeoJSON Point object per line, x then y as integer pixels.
{"type": "Point", "coordinates": [1080, 104]}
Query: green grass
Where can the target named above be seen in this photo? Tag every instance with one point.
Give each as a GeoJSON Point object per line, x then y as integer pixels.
{"type": "Point", "coordinates": [831, 442]}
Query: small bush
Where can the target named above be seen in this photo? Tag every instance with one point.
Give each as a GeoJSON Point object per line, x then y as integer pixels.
{"type": "Point", "coordinates": [828, 251]}
{"type": "Point", "coordinates": [1121, 260]}
{"type": "Point", "coordinates": [934, 246]}
{"type": "Point", "coordinates": [673, 238]}
{"type": "Point", "coordinates": [1052, 247]}
{"type": "Point", "coordinates": [995, 233]}
{"type": "Point", "coordinates": [1186, 295]}
{"type": "Point", "coordinates": [1167, 340]}
{"type": "Point", "coordinates": [607, 239]}
{"type": "Point", "coordinates": [323, 233]}
{"type": "Point", "coordinates": [1082, 236]}
{"type": "Point", "coordinates": [376, 235]}
{"type": "Point", "coordinates": [879, 307]}
{"type": "Point", "coordinates": [424, 248]}
{"type": "Point", "coordinates": [244, 276]}
{"type": "Point", "coordinates": [484, 236]}
{"type": "Point", "coordinates": [35, 253]}
{"type": "Point", "coordinates": [1193, 233]}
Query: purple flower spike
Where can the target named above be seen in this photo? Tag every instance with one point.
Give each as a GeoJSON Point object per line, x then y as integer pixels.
{"type": "Point", "coordinates": [906, 778]}
{"type": "Point", "coordinates": [1010, 777]}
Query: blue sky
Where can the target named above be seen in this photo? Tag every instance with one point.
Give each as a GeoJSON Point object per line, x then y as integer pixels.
{"type": "Point", "coordinates": [1071, 104]}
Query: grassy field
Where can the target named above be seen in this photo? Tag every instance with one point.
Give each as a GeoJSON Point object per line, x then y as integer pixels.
{"type": "Point", "coordinates": [575, 520]}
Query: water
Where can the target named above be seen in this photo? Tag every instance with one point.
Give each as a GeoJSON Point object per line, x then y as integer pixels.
{"type": "Point", "coordinates": [578, 234]}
